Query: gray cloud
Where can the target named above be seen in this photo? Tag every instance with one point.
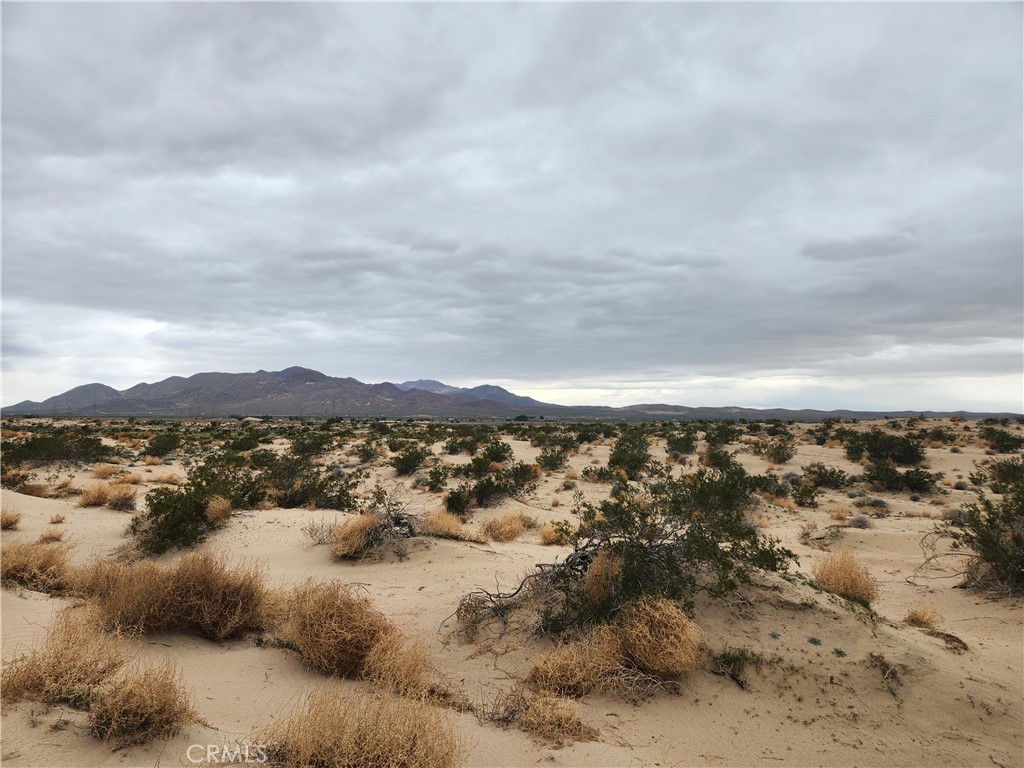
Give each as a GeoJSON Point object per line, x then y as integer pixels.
{"type": "Point", "coordinates": [624, 197]}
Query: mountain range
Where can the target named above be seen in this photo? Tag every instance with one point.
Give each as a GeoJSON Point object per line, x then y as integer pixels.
{"type": "Point", "coordinates": [303, 392]}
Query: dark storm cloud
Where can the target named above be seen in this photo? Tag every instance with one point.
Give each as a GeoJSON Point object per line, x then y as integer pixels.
{"type": "Point", "coordinates": [623, 196]}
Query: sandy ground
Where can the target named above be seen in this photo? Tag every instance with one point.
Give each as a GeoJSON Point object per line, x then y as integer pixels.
{"type": "Point", "coordinates": [808, 705]}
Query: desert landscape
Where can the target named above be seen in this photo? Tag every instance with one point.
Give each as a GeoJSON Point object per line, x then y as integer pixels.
{"type": "Point", "coordinates": [344, 592]}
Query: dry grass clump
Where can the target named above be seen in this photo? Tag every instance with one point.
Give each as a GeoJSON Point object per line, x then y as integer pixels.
{"type": "Point", "coordinates": [508, 527]}
{"type": "Point", "coordinates": [50, 536]}
{"type": "Point", "coordinates": [133, 478]}
{"type": "Point", "coordinates": [9, 520]}
{"type": "Point", "coordinates": [551, 534]}
{"type": "Point", "coordinates": [43, 567]}
{"type": "Point", "coordinates": [133, 598]}
{"type": "Point", "coordinates": [103, 471]}
{"type": "Point", "coordinates": [75, 658]}
{"type": "Point", "coordinates": [319, 532]}
{"type": "Point", "coordinates": [603, 576]}
{"type": "Point", "coordinates": [95, 495]}
{"type": "Point", "coordinates": [121, 497]}
{"type": "Point", "coordinates": [922, 616]}
{"type": "Point", "coordinates": [149, 702]}
{"type": "Point", "coordinates": [152, 461]}
{"type": "Point", "coordinates": [56, 519]}
{"type": "Point", "coordinates": [351, 538]}
{"type": "Point", "coordinates": [362, 731]}
{"type": "Point", "coordinates": [444, 525]}
{"type": "Point", "coordinates": [657, 638]}
{"type": "Point", "coordinates": [839, 513]}
{"type": "Point", "coordinates": [401, 665]}
{"type": "Point", "coordinates": [577, 668]}
{"type": "Point", "coordinates": [168, 478]}
{"type": "Point", "coordinates": [556, 719]}
{"type": "Point", "coordinates": [841, 573]}
{"type": "Point", "coordinates": [218, 510]}
{"type": "Point", "coordinates": [333, 628]}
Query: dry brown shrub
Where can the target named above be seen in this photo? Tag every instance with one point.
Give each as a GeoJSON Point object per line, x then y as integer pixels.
{"type": "Point", "coordinates": [103, 471]}
{"type": "Point", "coordinates": [841, 573]}
{"type": "Point", "coordinates": [39, 490]}
{"type": "Point", "coordinates": [350, 537]}
{"type": "Point", "coordinates": [763, 522]}
{"type": "Point", "coordinates": [122, 497]}
{"type": "Point", "coordinates": [576, 668]}
{"type": "Point", "coordinates": [551, 534]}
{"type": "Point", "coordinates": [839, 513]}
{"type": "Point", "coordinates": [43, 567]}
{"type": "Point", "coordinates": [168, 478]}
{"type": "Point", "coordinates": [50, 536]}
{"type": "Point", "coordinates": [95, 495]}
{"type": "Point", "coordinates": [148, 702]}
{"type": "Point", "coordinates": [572, 474]}
{"type": "Point", "coordinates": [334, 730]}
{"type": "Point", "coordinates": [219, 601]}
{"type": "Point", "coordinates": [922, 616]}
{"type": "Point", "coordinates": [508, 527]}
{"type": "Point", "coordinates": [401, 665]}
{"type": "Point", "coordinates": [56, 519]}
{"type": "Point", "coordinates": [75, 658]}
{"type": "Point", "coordinates": [218, 510]}
{"type": "Point", "coordinates": [135, 597]}
{"type": "Point", "coordinates": [444, 525]}
{"type": "Point", "coordinates": [657, 638]}
{"type": "Point", "coordinates": [602, 577]}
{"type": "Point", "coordinates": [333, 628]}
{"type": "Point", "coordinates": [556, 719]}
{"type": "Point", "coordinates": [556, 502]}
{"type": "Point", "coordinates": [132, 479]}
{"type": "Point", "coordinates": [9, 520]}
{"type": "Point", "coordinates": [152, 461]}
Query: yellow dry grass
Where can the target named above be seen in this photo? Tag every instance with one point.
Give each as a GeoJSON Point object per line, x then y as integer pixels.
{"type": "Point", "coordinates": [333, 628]}
{"type": "Point", "coordinates": [401, 665]}
{"type": "Point", "coordinates": [508, 527]}
{"type": "Point", "coordinates": [840, 572]}
{"type": "Point", "coordinates": [43, 567]}
{"type": "Point", "coordinates": [335, 730]}
{"type": "Point", "coordinates": [121, 496]}
{"type": "Point", "coordinates": [551, 534]}
{"type": "Point", "coordinates": [103, 471]}
{"type": "Point", "coordinates": [168, 478]}
{"type": "Point", "coordinates": [132, 598]}
{"type": "Point", "coordinates": [56, 519]}
{"type": "Point", "coordinates": [350, 537]}
{"type": "Point", "coordinates": [147, 702]}
{"type": "Point", "coordinates": [923, 616]}
{"type": "Point", "coordinates": [94, 495]}
{"type": "Point", "coordinates": [50, 536]}
{"type": "Point", "coordinates": [658, 638]}
{"type": "Point", "coordinates": [602, 577]}
{"type": "Point", "coordinates": [9, 520]}
{"type": "Point", "coordinates": [556, 719]}
{"type": "Point", "coordinates": [839, 513]}
{"type": "Point", "coordinates": [39, 490]}
{"type": "Point", "coordinates": [75, 658]}
{"type": "Point", "coordinates": [152, 461]}
{"type": "Point", "coordinates": [444, 525]}
{"type": "Point", "coordinates": [577, 668]}
{"type": "Point", "coordinates": [218, 510]}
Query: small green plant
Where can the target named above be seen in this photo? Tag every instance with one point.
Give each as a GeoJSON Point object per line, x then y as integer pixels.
{"type": "Point", "coordinates": [814, 640]}
{"type": "Point", "coordinates": [839, 652]}
{"type": "Point", "coordinates": [774, 634]}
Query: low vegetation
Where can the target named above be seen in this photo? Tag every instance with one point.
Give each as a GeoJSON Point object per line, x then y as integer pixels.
{"type": "Point", "coordinates": [840, 572]}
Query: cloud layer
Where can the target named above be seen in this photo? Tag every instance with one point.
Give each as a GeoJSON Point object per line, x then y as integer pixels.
{"type": "Point", "coordinates": [787, 204]}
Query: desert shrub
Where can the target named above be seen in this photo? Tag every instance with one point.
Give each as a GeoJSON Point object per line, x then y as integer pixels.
{"type": "Point", "coordinates": [778, 451]}
{"type": "Point", "coordinates": [400, 665]}
{"type": "Point", "coordinates": [1004, 473]}
{"type": "Point", "coordinates": [922, 616]}
{"type": "Point", "coordinates": [215, 599]}
{"type": "Point", "coordinates": [682, 443]}
{"type": "Point", "coordinates": [825, 477]}
{"type": "Point", "coordinates": [104, 471]}
{"type": "Point", "coordinates": [385, 523]}
{"type": "Point", "coordinates": [437, 477]}
{"type": "Point", "coordinates": [555, 719]}
{"type": "Point", "coordinates": [148, 702]}
{"type": "Point", "coordinates": [50, 536]}
{"type": "Point", "coordinates": [496, 451]}
{"type": "Point", "coordinates": [992, 535]}
{"type": "Point", "coordinates": [350, 538]}
{"type": "Point", "coordinates": [334, 730]}
{"type": "Point", "coordinates": [579, 667]}
{"type": "Point", "coordinates": [309, 444]}
{"type": "Point", "coordinates": [657, 638]}
{"type": "Point", "coordinates": [883, 475]}
{"type": "Point", "coordinates": [631, 453]}
{"type": "Point", "coordinates": [719, 433]}
{"type": "Point", "coordinates": [121, 497]}
{"type": "Point", "coordinates": [9, 520]}
{"type": "Point", "coordinates": [163, 444]}
{"type": "Point", "coordinates": [173, 519]}
{"type": "Point", "coordinates": [95, 495]}
{"type": "Point", "coordinates": [39, 490]}
{"type": "Point", "coordinates": [1000, 440]}
{"type": "Point", "coordinates": [247, 441]}
{"type": "Point", "coordinates": [333, 628]}
{"type": "Point", "coordinates": [769, 484]}
{"type": "Point", "coordinates": [718, 458]}
{"type": "Point", "coordinates": [293, 481]}
{"type": "Point", "coordinates": [43, 567]}
{"type": "Point", "coordinates": [881, 446]}
{"type": "Point", "coordinates": [134, 597]}
{"type": "Point", "coordinates": [859, 521]}
{"type": "Point", "coordinates": [841, 573]}
{"type": "Point", "coordinates": [61, 445]}
{"type": "Point", "coordinates": [74, 660]}
{"type": "Point", "coordinates": [553, 458]}
{"type": "Point", "coordinates": [509, 526]}
{"type": "Point", "coordinates": [805, 494]}
{"type": "Point", "coordinates": [458, 500]}
{"type": "Point", "coordinates": [410, 459]}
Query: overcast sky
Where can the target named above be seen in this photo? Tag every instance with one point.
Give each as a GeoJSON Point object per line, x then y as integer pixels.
{"type": "Point", "coordinates": [764, 205]}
